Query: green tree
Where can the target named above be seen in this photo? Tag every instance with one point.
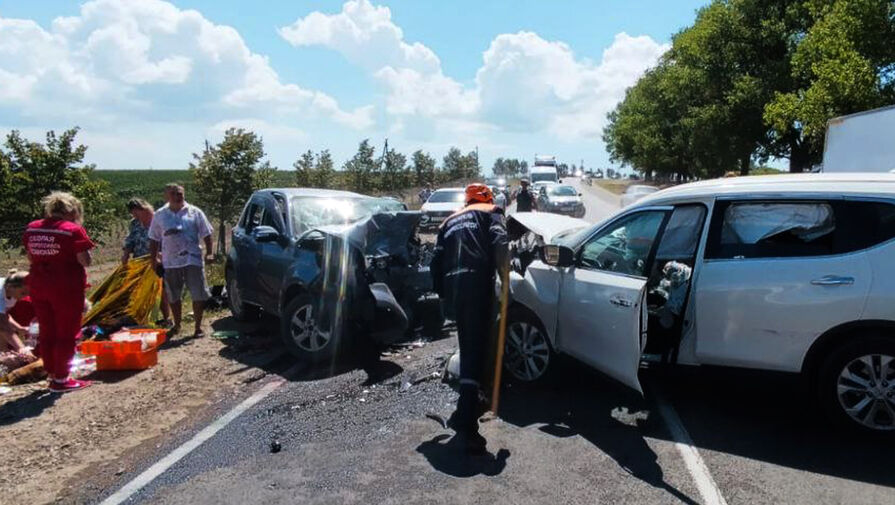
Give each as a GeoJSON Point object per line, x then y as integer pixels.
{"type": "Point", "coordinates": [424, 168]}
{"type": "Point", "coordinates": [225, 176]}
{"type": "Point", "coordinates": [394, 171]}
{"type": "Point", "coordinates": [844, 63]}
{"type": "Point", "coordinates": [324, 173]}
{"type": "Point", "coordinates": [31, 170]}
{"type": "Point", "coordinates": [361, 169]}
{"type": "Point", "coordinates": [453, 164]}
{"type": "Point", "coordinates": [304, 170]}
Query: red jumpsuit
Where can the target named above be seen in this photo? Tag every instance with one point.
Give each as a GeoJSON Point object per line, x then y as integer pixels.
{"type": "Point", "coordinates": [56, 282]}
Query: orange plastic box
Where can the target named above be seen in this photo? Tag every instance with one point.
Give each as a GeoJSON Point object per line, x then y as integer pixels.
{"type": "Point", "coordinates": [124, 355]}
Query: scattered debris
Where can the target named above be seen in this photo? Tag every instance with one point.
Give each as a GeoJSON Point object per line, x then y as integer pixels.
{"type": "Point", "coordinates": [275, 446]}
{"type": "Point", "coordinates": [405, 386]}
{"type": "Point", "coordinates": [120, 471]}
{"type": "Point", "coordinates": [225, 334]}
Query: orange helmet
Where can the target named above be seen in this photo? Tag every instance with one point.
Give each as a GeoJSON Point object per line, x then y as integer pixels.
{"type": "Point", "coordinates": [478, 193]}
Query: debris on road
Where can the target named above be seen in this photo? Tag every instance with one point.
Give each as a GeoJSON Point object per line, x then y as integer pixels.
{"type": "Point", "coordinates": [275, 447]}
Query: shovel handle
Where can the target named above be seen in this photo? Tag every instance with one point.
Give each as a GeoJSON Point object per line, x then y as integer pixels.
{"type": "Point", "coordinates": [501, 335]}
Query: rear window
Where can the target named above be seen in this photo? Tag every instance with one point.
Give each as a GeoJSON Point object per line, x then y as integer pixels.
{"type": "Point", "coordinates": [870, 224]}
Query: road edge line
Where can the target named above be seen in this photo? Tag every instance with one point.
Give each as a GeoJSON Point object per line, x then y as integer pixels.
{"type": "Point", "coordinates": [699, 471]}
{"type": "Point", "coordinates": [159, 467]}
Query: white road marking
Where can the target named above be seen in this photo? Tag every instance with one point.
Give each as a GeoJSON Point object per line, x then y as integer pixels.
{"type": "Point", "coordinates": [152, 473]}
{"type": "Point", "coordinates": [711, 494]}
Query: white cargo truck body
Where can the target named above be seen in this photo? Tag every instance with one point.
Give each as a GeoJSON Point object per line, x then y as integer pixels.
{"type": "Point", "coordinates": [862, 142]}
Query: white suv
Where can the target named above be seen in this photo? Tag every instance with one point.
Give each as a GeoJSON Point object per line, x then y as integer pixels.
{"type": "Point", "coordinates": [789, 273]}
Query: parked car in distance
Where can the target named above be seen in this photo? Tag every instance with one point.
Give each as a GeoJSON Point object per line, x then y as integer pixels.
{"type": "Point", "coordinates": [334, 266]}
{"type": "Point", "coordinates": [440, 205]}
{"type": "Point", "coordinates": [560, 199]}
{"type": "Point", "coordinates": [787, 273]}
{"type": "Point", "coordinates": [636, 192]}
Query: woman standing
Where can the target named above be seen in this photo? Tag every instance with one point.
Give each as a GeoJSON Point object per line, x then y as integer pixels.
{"type": "Point", "coordinates": [59, 250]}
{"type": "Point", "coordinates": [136, 244]}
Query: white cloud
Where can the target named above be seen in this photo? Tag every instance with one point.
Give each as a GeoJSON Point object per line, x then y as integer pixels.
{"type": "Point", "coordinates": [146, 59]}
{"type": "Point", "coordinates": [525, 83]}
{"type": "Point", "coordinates": [365, 35]}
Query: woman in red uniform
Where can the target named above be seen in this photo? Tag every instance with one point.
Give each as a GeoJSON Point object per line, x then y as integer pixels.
{"type": "Point", "coordinates": [59, 250]}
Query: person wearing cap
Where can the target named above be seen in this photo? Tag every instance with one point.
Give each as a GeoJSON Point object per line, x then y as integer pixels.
{"type": "Point", "coordinates": [525, 201]}
{"type": "Point", "coordinates": [470, 248]}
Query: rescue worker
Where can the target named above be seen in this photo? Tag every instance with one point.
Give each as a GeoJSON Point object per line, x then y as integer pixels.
{"type": "Point", "coordinates": [59, 251]}
{"type": "Point", "coordinates": [525, 201]}
{"type": "Point", "coordinates": [470, 248]}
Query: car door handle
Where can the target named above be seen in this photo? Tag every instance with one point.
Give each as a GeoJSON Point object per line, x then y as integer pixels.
{"type": "Point", "coordinates": [620, 302]}
{"type": "Point", "coordinates": [833, 280]}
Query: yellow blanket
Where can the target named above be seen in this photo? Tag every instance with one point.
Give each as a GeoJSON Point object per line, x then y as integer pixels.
{"type": "Point", "coordinates": [131, 290]}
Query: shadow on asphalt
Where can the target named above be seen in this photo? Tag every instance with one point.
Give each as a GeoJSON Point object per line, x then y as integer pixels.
{"type": "Point", "coordinates": [578, 401]}
{"type": "Point", "coordinates": [259, 346]}
{"type": "Point", "coordinates": [26, 407]}
{"type": "Point", "coordinates": [447, 454]}
{"type": "Point", "coordinates": [769, 417]}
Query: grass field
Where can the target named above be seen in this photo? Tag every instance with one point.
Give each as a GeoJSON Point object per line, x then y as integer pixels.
{"type": "Point", "coordinates": [150, 184]}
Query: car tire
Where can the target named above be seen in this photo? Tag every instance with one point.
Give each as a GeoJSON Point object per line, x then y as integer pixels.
{"type": "Point", "coordinates": [528, 355]}
{"type": "Point", "coordinates": [241, 311]}
{"type": "Point", "coordinates": [305, 332]}
{"type": "Point", "coordinates": [856, 385]}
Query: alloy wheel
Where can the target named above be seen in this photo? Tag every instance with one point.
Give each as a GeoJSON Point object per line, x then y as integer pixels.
{"type": "Point", "coordinates": [306, 332]}
{"type": "Point", "coordinates": [527, 351]}
{"type": "Point", "coordinates": [866, 391]}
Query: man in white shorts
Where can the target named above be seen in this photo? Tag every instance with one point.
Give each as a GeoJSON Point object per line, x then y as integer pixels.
{"type": "Point", "coordinates": [177, 229]}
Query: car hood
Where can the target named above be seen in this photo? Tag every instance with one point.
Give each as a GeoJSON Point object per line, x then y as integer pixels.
{"type": "Point", "coordinates": [385, 233]}
{"type": "Point", "coordinates": [543, 223]}
{"type": "Point", "coordinates": [441, 206]}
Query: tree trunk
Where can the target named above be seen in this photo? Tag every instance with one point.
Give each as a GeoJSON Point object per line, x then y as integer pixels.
{"type": "Point", "coordinates": [222, 239]}
{"type": "Point", "coordinates": [744, 164]}
{"type": "Point", "coordinates": [798, 157]}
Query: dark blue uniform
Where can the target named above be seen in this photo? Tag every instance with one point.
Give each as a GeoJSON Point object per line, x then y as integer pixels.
{"type": "Point", "coordinates": [470, 246]}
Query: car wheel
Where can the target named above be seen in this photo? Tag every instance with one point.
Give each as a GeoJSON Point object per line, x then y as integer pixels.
{"type": "Point", "coordinates": [241, 311]}
{"type": "Point", "coordinates": [306, 330]}
{"type": "Point", "coordinates": [857, 385]}
{"type": "Point", "coordinates": [527, 352]}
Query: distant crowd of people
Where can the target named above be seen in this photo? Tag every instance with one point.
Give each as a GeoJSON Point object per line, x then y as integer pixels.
{"type": "Point", "coordinates": [52, 291]}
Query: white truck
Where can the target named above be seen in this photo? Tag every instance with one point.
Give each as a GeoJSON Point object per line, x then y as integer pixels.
{"type": "Point", "coordinates": [861, 142]}
{"type": "Point", "coordinates": [543, 170]}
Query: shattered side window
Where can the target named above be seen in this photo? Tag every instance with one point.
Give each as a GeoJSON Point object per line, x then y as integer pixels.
{"type": "Point", "coordinates": [776, 229]}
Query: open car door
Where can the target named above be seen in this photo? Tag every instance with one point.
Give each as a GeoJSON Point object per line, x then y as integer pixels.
{"type": "Point", "coordinates": [600, 319]}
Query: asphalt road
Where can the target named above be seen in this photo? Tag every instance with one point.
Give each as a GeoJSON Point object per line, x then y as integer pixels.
{"type": "Point", "coordinates": [362, 436]}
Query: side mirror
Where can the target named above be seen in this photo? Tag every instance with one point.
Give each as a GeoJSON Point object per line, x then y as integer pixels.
{"type": "Point", "coordinates": [265, 234]}
{"type": "Point", "coordinates": [558, 255]}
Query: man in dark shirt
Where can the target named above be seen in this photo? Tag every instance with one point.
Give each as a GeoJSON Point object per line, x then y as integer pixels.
{"type": "Point", "coordinates": [471, 247]}
{"type": "Point", "coordinates": [525, 201]}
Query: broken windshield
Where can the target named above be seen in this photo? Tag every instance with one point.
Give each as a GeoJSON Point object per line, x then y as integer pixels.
{"type": "Point", "coordinates": [309, 212]}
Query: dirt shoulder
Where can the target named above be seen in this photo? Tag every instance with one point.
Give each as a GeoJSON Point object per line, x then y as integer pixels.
{"type": "Point", "coordinates": [54, 444]}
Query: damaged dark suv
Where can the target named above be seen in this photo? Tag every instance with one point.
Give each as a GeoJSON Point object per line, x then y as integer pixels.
{"type": "Point", "coordinates": [334, 266]}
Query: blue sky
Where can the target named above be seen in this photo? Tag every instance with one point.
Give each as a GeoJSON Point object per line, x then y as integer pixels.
{"type": "Point", "coordinates": [149, 80]}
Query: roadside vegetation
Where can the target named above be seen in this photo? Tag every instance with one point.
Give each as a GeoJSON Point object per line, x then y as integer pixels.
{"type": "Point", "coordinates": [753, 80]}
